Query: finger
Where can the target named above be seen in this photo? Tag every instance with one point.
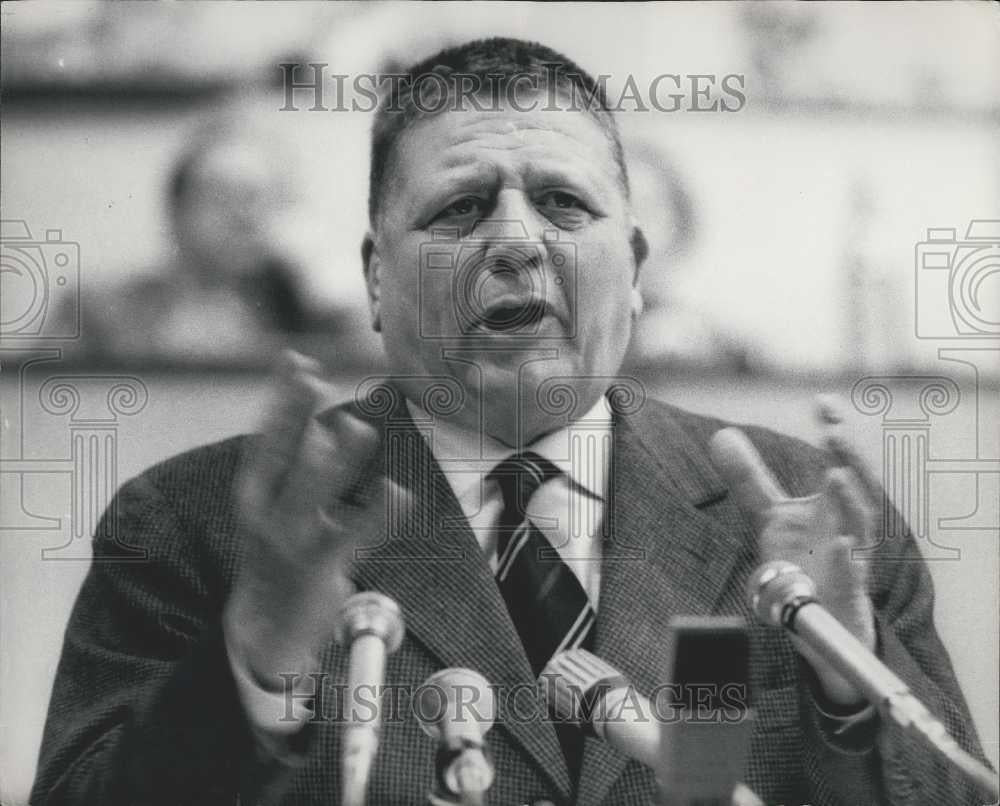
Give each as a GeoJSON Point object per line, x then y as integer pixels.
{"type": "Point", "coordinates": [382, 517]}
{"type": "Point", "coordinates": [744, 796]}
{"type": "Point", "coordinates": [829, 414]}
{"type": "Point", "coordinates": [853, 571]}
{"type": "Point", "coordinates": [333, 457]}
{"type": "Point", "coordinates": [299, 391]}
{"type": "Point", "coordinates": [358, 469]}
{"type": "Point", "coordinates": [829, 411]}
{"type": "Point", "coordinates": [339, 483]}
{"type": "Point", "coordinates": [842, 562]}
{"type": "Point", "coordinates": [312, 473]}
{"type": "Point", "coordinates": [750, 479]}
{"type": "Point", "coordinates": [846, 455]}
{"type": "Point", "coordinates": [844, 583]}
{"type": "Point", "coordinates": [856, 515]}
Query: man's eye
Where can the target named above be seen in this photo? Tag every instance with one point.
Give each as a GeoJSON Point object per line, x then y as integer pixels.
{"type": "Point", "coordinates": [562, 200]}
{"type": "Point", "coordinates": [467, 205]}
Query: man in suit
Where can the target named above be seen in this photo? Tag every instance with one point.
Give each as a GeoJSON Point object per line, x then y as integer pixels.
{"type": "Point", "coordinates": [505, 486]}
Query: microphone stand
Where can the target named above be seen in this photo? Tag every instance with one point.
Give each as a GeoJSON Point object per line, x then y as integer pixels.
{"type": "Point", "coordinates": [463, 768]}
{"type": "Point", "coordinates": [371, 623]}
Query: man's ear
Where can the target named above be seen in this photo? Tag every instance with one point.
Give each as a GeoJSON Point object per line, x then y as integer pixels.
{"type": "Point", "coordinates": [640, 249]}
{"type": "Point", "coordinates": [372, 265]}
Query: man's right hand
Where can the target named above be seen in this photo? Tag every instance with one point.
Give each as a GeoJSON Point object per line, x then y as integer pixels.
{"type": "Point", "coordinates": [299, 531]}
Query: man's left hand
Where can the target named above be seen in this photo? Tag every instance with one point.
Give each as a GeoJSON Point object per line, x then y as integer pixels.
{"type": "Point", "coordinates": [816, 533]}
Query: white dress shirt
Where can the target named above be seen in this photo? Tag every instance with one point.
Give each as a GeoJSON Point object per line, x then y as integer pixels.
{"type": "Point", "coordinates": [568, 509]}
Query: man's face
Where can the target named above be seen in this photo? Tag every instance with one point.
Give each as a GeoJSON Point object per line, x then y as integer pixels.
{"type": "Point", "coordinates": [237, 197]}
{"type": "Point", "coordinates": [503, 257]}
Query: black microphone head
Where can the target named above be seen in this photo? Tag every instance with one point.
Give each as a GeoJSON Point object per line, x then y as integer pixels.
{"type": "Point", "coordinates": [776, 585]}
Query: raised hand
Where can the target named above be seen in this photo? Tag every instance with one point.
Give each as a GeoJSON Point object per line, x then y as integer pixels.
{"type": "Point", "coordinates": [815, 532]}
{"type": "Point", "coordinates": [301, 522]}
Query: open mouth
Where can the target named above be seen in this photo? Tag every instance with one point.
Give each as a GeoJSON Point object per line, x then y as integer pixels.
{"type": "Point", "coordinates": [513, 316]}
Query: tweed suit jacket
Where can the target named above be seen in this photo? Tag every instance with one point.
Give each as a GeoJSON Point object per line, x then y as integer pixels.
{"type": "Point", "coordinates": [145, 711]}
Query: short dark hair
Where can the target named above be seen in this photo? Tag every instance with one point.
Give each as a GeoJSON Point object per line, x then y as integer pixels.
{"type": "Point", "coordinates": [498, 64]}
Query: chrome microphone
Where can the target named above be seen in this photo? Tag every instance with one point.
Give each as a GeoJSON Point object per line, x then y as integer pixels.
{"type": "Point", "coordinates": [372, 625]}
{"type": "Point", "coordinates": [457, 707]}
{"type": "Point", "coordinates": [782, 595]}
{"type": "Point", "coordinates": [585, 691]}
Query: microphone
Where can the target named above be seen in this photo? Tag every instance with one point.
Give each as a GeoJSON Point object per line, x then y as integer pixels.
{"type": "Point", "coordinates": [372, 625]}
{"type": "Point", "coordinates": [698, 748]}
{"type": "Point", "coordinates": [456, 707]}
{"type": "Point", "coordinates": [782, 595]}
{"type": "Point", "coordinates": [593, 695]}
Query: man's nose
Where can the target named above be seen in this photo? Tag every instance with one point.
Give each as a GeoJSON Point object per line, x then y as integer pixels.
{"type": "Point", "coordinates": [513, 218]}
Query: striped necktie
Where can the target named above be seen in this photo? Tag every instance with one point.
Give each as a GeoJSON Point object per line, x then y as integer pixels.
{"type": "Point", "coordinates": [547, 603]}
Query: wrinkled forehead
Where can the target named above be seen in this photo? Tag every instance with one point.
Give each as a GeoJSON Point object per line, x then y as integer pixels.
{"type": "Point", "coordinates": [527, 140]}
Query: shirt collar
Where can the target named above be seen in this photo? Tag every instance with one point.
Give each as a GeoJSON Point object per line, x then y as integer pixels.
{"type": "Point", "coordinates": [581, 449]}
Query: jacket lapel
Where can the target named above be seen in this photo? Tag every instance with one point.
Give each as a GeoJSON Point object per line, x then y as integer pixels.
{"type": "Point", "coordinates": [429, 561]}
{"type": "Point", "coordinates": [663, 556]}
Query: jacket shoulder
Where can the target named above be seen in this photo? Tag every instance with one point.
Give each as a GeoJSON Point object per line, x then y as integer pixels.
{"type": "Point", "coordinates": [797, 464]}
{"type": "Point", "coordinates": [195, 487]}
{"type": "Point", "coordinates": [203, 467]}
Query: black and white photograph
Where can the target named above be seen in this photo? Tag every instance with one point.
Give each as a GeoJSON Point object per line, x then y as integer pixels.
{"type": "Point", "coordinates": [499, 403]}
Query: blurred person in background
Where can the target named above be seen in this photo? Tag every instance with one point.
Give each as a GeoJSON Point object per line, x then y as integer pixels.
{"type": "Point", "coordinates": [235, 284]}
{"type": "Point", "coordinates": [673, 330]}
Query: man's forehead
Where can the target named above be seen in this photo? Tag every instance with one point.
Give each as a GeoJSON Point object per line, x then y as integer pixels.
{"type": "Point", "coordinates": [462, 137]}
